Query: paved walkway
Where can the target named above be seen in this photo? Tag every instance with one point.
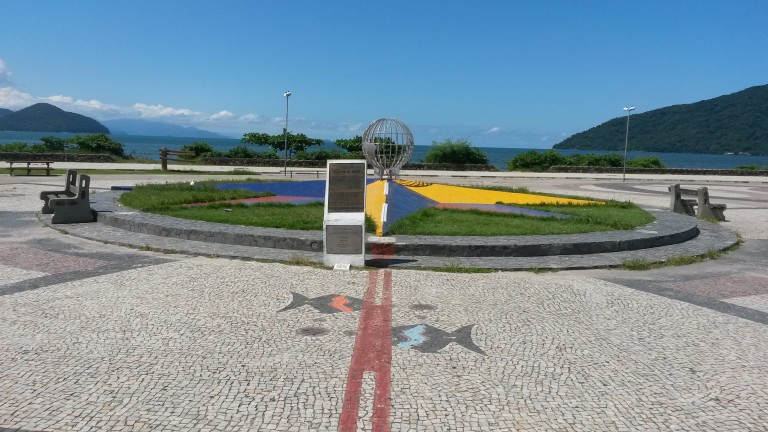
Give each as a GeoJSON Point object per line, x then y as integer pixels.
{"type": "Point", "coordinates": [99, 337]}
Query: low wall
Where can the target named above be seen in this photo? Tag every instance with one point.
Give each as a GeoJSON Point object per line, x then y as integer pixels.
{"type": "Point", "coordinates": [322, 164]}
{"type": "Point", "coordinates": [55, 157]}
{"type": "Point", "coordinates": [688, 171]}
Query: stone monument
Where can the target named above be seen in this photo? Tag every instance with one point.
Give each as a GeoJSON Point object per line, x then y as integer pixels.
{"type": "Point", "coordinates": [344, 215]}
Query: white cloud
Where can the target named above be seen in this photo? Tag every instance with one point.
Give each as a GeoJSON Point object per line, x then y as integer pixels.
{"type": "Point", "coordinates": [13, 99]}
{"type": "Point", "coordinates": [250, 118]}
{"type": "Point", "coordinates": [161, 111]}
{"type": "Point", "coordinates": [5, 75]}
{"type": "Point", "coordinates": [223, 121]}
{"type": "Point", "coordinates": [493, 130]}
{"type": "Point", "coordinates": [222, 115]}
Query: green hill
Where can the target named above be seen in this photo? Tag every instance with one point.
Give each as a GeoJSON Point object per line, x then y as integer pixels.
{"type": "Point", "coordinates": [734, 123]}
{"type": "Point", "coordinates": [4, 111]}
{"type": "Point", "coordinates": [43, 117]}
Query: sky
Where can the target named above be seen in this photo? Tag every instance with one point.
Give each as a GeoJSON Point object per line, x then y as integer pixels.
{"type": "Point", "coordinates": [519, 74]}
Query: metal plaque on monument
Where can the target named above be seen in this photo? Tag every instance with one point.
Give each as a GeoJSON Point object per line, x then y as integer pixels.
{"type": "Point", "coordinates": [344, 216]}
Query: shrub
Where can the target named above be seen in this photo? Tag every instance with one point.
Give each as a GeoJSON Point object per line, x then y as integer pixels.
{"type": "Point", "coordinates": [97, 143]}
{"type": "Point", "coordinates": [55, 145]}
{"type": "Point", "coordinates": [455, 152]}
{"type": "Point", "coordinates": [15, 147]}
{"type": "Point", "coordinates": [239, 152]}
{"type": "Point", "coordinates": [322, 155]}
{"type": "Point", "coordinates": [533, 160]}
{"type": "Point", "coordinates": [646, 162]}
{"type": "Point", "coordinates": [199, 148]}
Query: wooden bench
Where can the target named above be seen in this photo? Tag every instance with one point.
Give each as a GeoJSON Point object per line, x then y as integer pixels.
{"type": "Point", "coordinates": [30, 166]}
{"type": "Point", "coordinates": [72, 205]}
{"type": "Point", "coordinates": [315, 172]}
{"type": "Point", "coordinates": [703, 207]}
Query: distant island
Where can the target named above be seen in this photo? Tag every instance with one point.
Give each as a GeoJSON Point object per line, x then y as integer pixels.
{"type": "Point", "coordinates": [732, 124]}
{"type": "Point", "coordinates": [125, 126]}
{"type": "Point", "coordinates": [44, 117]}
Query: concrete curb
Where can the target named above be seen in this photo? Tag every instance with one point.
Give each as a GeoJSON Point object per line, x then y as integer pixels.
{"type": "Point", "coordinates": [671, 235]}
{"type": "Point", "coordinates": [668, 228]}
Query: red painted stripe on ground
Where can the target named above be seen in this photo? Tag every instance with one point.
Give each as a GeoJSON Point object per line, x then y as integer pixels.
{"type": "Point", "coordinates": [372, 353]}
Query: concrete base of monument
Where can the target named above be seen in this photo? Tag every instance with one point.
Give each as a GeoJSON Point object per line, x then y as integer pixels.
{"type": "Point", "coordinates": [671, 235]}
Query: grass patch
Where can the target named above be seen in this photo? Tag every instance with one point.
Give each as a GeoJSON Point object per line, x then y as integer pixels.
{"type": "Point", "coordinates": [169, 199]}
{"type": "Point", "coordinates": [299, 260]}
{"type": "Point", "coordinates": [678, 260]}
{"type": "Point", "coordinates": [610, 216]}
{"type": "Point", "coordinates": [158, 197]}
{"type": "Point", "coordinates": [454, 266]}
{"type": "Point", "coordinates": [270, 215]}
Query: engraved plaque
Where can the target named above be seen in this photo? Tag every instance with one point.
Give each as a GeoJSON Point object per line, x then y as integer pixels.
{"type": "Point", "coordinates": [344, 239]}
{"type": "Point", "coordinates": [346, 187]}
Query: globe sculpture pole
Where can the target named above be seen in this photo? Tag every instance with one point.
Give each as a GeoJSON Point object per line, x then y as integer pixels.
{"type": "Point", "coordinates": [387, 146]}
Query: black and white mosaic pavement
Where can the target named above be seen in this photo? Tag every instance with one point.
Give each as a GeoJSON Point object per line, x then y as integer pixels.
{"type": "Point", "coordinates": [99, 337]}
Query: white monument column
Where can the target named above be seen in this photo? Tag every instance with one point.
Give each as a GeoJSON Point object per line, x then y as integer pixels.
{"type": "Point", "coordinates": [344, 215]}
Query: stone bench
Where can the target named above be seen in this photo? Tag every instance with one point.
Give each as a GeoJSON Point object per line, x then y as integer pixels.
{"type": "Point", "coordinates": [700, 207]}
{"type": "Point", "coordinates": [71, 205]}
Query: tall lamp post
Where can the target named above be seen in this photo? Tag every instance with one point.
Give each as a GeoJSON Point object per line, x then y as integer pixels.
{"type": "Point", "coordinates": [626, 141]}
{"type": "Point", "coordinates": [285, 161]}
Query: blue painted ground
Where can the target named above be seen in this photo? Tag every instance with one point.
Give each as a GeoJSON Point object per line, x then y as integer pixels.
{"type": "Point", "coordinates": [402, 201]}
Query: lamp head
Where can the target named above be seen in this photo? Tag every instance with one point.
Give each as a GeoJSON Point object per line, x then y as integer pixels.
{"type": "Point", "coordinates": [630, 108]}
{"type": "Point", "coordinates": [286, 94]}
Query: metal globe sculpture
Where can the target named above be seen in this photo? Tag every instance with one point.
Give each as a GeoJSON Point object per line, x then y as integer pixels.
{"type": "Point", "coordinates": [387, 146]}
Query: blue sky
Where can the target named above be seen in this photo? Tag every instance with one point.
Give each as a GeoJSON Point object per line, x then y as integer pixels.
{"type": "Point", "coordinates": [499, 73]}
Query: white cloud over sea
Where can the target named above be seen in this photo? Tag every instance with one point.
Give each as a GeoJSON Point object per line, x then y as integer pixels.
{"type": "Point", "coordinates": [222, 121]}
{"type": "Point", "coordinates": [235, 124]}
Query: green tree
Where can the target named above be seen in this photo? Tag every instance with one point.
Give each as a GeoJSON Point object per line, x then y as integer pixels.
{"type": "Point", "coordinates": [296, 142]}
{"type": "Point", "coordinates": [352, 145]}
{"type": "Point", "coordinates": [199, 148]}
{"type": "Point", "coordinates": [97, 143]}
{"type": "Point", "coordinates": [56, 145]}
{"type": "Point", "coordinates": [455, 152]}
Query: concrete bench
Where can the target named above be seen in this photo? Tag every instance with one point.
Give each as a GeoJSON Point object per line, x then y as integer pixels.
{"type": "Point", "coordinates": [71, 205]}
{"type": "Point", "coordinates": [700, 207]}
{"type": "Point", "coordinates": [30, 166]}
{"type": "Point", "coordinates": [69, 191]}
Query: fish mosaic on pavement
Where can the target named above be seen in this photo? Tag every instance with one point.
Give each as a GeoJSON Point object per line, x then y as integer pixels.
{"type": "Point", "coordinates": [97, 337]}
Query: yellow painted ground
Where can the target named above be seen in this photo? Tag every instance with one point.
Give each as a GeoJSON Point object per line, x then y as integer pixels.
{"type": "Point", "coordinates": [374, 199]}
{"type": "Point", "coordinates": [466, 195]}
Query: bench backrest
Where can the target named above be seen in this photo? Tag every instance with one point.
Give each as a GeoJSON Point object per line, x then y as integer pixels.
{"type": "Point", "coordinates": [83, 183]}
{"type": "Point", "coordinates": [71, 185]}
{"type": "Point", "coordinates": [703, 196]}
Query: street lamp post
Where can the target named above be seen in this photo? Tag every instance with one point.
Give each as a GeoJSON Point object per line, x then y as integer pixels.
{"type": "Point", "coordinates": [626, 141]}
{"type": "Point", "coordinates": [285, 161]}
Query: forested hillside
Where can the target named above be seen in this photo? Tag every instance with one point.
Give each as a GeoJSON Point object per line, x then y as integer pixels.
{"type": "Point", "coordinates": [43, 117]}
{"type": "Point", "coordinates": [734, 123]}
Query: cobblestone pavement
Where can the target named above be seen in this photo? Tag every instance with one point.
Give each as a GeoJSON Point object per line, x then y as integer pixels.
{"type": "Point", "coordinates": [98, 337]}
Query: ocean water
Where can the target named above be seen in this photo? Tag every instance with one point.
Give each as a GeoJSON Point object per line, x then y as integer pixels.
{"type": "Point", "coordinates": [148, 147]}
